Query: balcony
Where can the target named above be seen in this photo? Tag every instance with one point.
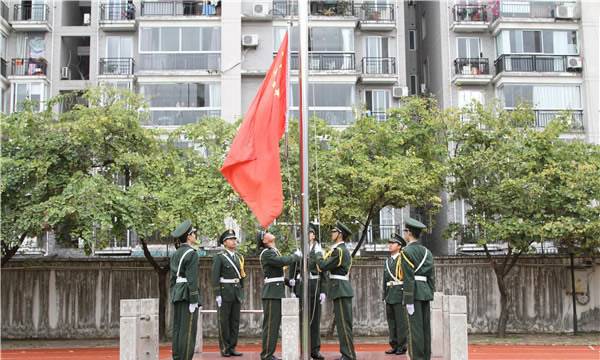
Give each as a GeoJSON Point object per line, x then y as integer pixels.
{"type": "Point", "coordinates": [471, 71]}
{"type": "Point", "coordinates": [470, 18]}
{"type": "Point", "coordinates": [28, 67]}
{"type": "Point", "coordinates": [323, 8]}
{"type": "Point", "coordinates": [4, 20]}
{"type": "Point", "coordinates": [117, 17]}
{"type": "Point", "coordinates": [116, 67]}
{"type": "Point", "coordinates": [544, 117]}
{"type": "Point", "coordinates": [326, 62]}
{"type": "Point", "coordinates": [31, 17]}
{"type": "Point", "coordinates": [162, 9]}
{"type": "Point", "coordinates": [533, 12]}
{"type": "Point", "coordinates": [164, 64]}
{"type": "Point", "coordinates": [377, 70]}
{"type": "Point", "coordinates": [373, 17]}
{"type": "Point", "coordinates": [524, 63]}
{"type": "Point", "coordinates": [174, 117]}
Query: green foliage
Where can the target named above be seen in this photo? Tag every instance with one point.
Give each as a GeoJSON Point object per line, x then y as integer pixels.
{"type": "Point", "coordinates": [525, 184]}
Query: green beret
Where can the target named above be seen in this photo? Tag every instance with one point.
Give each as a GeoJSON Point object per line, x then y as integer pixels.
{"type": "Point", "coordinates": [415, 224]}
{"type": "Point", "coordinates": [182, 229]}
{"type": "Point", "coordinates": [228, 234]}
{"type": "Point", "coordinates": [397, 238]}
{"type": "Point", "coordinates": [343, 229]}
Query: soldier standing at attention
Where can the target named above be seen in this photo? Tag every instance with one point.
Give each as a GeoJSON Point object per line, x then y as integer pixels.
{"type": "Point", "coordinates": [317, 288]}
{"type": "Point", "coordinates": [185, 293]}
{"type": "Point", "coordinates": [392, 295]}
{"type": "Point", "coordinates": [338, 262]}
{"type": "Point", "coordinates": [228, 282]}
{"type": "Point", "coordinates": [272, 263]}
{"type": "Point", "coordinates": [417, 266]}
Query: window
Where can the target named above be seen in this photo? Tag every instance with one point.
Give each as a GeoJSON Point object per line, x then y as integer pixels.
{"type": "Point", "coordinates": [413, 85]}
{"type": "Point", "coordinates": [377, 102]}
{"type": "Point", "coordinates": [279, 33]}
{"type": "Point", "coordinates": [329, 39]}
{"type": "Point", "coordinates": [544, 97]}
{"type": "Point", "coordinates": [556, 42]}
{"type": "Point", "coordinates": [28, 91]}
{"type": "Point", "coordinates": [468, 48]}
{"type": "Point", "coordinates": [412, 40]}
{"type": "Point", "coordinates": [423, 27]}
{"type": "Point", "coordinates": [466, 99]}
{"type": "Point", "coordinates": [119, 47]}
{"type": "Point", "coordinates": [180, 48]}
{"type": "Point", "coordinates": [386, 222]}
{"type": "Point", "coordinates": [3, 47]}
{"type": "Point", "coordinates": [182, 103]}
{"type": "Point", "coordinates": [330, 102]}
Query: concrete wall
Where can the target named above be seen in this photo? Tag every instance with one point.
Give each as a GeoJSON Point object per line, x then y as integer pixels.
{"type": "Point", "coordinates": [49, 298]}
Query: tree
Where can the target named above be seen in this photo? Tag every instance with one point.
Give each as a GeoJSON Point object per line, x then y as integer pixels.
{"type": "Point", "coordinates": [523, 184]}
{"type": "Point", "coordinates": [397, 162]}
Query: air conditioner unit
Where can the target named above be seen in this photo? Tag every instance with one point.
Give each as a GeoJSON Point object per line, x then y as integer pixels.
{"type": "Point", "coordinates": [250, 40]}
{"type": "Point", "coordinates": [83, 51]}
{"type": "Point", "coordinates": [260, 8]}
{"type": "Point", "coordinates": [565, 11]}
{"type": "Point", "coordinates": [574, 63]}
{"type": "Point", "coordinates": [423, 88]}
{"type": "Point", "coordinates": [65, 73]}
{"type": "Point", "coordinates": [399, 91]}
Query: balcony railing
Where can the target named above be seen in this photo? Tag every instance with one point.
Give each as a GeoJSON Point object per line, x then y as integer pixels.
{"type": "Point", "coordinates": [531, 63]}
{"type": "Point", "coordinates": [525, 9]}
{"type": "Point", "coordinates": [117, 12]}
{"type": "Point", "coordinates": [31, 12]}
{"type": "Point", "coordinates": [471, 66]}
{"type": "Point", "coordinates": [179, 61]}
{"type": "Point", "coordinates": [368, 12]}
{"type": "Point", "coordinates": [378, 66]}
{"type": "Point", "coordinates": [179, 116]}
{"type": "Point", "coordinates": [180, 8]}
{"type": "Point", "coordinates": [378, 115]}
{"type": "Point", "coordinates": [285, 8]}
{"type": "Point", "coordinates": [3, 67]}
{"type": "Point", "coordinates": [4, 10]}
{"type": "Point", "coordinates": [28, 67]}
{"type": "Point", "coordinates": [470, 13]}
{"type": "Point", "coordinates": [116, 66]}
{"type": "Point", "coordinates": [544, 117]}
{"type": "Point", "coordinates": [319, 61]}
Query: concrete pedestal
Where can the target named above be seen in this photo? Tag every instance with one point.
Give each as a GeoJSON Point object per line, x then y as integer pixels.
{"type": "Point", "coordinates": [290, 329]}
{"type": "Point", "coordinates": [138, 329]}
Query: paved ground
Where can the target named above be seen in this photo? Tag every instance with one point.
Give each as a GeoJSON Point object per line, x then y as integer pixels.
{"type": "Point", "coordinates": [364, 352]}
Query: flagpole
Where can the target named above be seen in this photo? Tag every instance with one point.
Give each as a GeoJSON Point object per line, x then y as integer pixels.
{"type": "Point", "coordinates": [303, 30]}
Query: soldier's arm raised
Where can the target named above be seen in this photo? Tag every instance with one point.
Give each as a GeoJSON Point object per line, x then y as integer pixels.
{"type": "Point", "coordinates": [272, 259]}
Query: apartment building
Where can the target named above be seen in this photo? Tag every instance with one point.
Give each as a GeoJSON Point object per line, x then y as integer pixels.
{"type": "Point", "coordinates": [544, 53]}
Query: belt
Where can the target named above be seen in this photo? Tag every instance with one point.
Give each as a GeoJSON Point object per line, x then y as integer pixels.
{"type": "Point", "coordinates": [272, 280]}
{"type": "Point", "coordinates": [181, 280]}
{"type": "Point", "coordinates": [339, 277]}
{"type": "Point", "coordinates": [394, 283]}
{"type": "Point", "coordinates": [310, 276]}
{"type": "Point", "coordinates": [229, 281]}
{"type": "Point", "coordinates": [421, 278]}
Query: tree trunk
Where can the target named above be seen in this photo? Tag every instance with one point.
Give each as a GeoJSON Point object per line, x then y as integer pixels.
{"type": "Point", "coordinates": [9, 251]}
{"type": "Point", "coordinates": [162, 303]}
{"type": "Point", "coordinates": [500, 279]}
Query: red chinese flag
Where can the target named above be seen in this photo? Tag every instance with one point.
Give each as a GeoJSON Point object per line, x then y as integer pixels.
{"type": "Point", "coordinates": [252, 165]}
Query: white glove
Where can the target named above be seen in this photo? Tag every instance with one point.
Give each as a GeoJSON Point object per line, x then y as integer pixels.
{"type": "Point", "coordinates": [318, 249]}
{"type": "Point", "coordinates": [292, 282]}
{"type": "Point", "coordinates": [219, 301]}
{"type": "Point", "coordinates": [322, 298]}
{"type": "Point", "coordinates": [410, 309]}
{"type": "Point", "coordinates": [193, 307]}
{"type": "Point", "coordinates": [298, 253]}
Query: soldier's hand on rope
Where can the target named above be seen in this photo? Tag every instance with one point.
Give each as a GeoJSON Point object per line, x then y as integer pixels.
{"type": "Point", "coordinates": [298, 253]}
{"type": "Point", "coordinates": [292, 282]}
{"type": "Point", "coordinates": [318, 249]}
{"type": "Point", "coordinates": [410, 309]}
{"type": "Point", "coordinates": [193, 307]}
{"type": "Point", "coordinates": [219, 300]}
{"type": "Point", "coordinates": [322, 298]}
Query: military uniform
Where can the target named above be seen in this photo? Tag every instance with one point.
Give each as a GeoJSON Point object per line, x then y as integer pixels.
{"type": "Point", "coordinates": [272, 263]}
{"type": "Point", "coordinates": [228, 283]}
{"type": "Point", "coordinates": [392, 295]}
{"type": "Point", "coordinates": [185, 294]}
{"type": "Point", "coordinates": [317, 285]}
{"type": "Point", "coordinates": [417, 266]}
{"type": "Point", "coordinates": [338, 262]}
